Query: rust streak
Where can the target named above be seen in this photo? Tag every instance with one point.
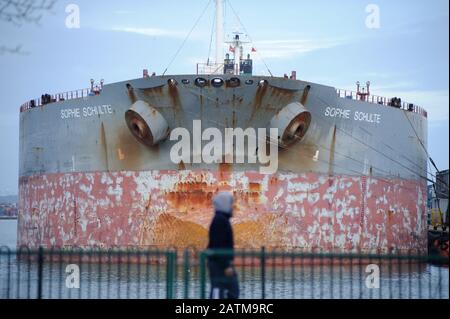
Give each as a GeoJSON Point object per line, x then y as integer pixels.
{"type": "Point", "coordinates": [181, 166]}
{"type": "Point", "coordinates": [305, 94]}
{"type": "Point", "coordinates": [129, 148]}
{"type": "Point", "coordinates": [282, 95]}
{"type": "Point", "coordinates": [224, 170]}
{"type": "Point", "coordinates": [332, 151]}
{"type": "Point", "coordinates": [282, 92]}
{"type": "Point", "coordinates": [259, 96]}
{"type": "Point", "coordinates": [254, 187]}
{"type": "Point", "coordinates": [175, 97]}
{"type": "Point", "coordinates": [189, 196]}
{"type": "Point", "coordinates": [154, 91]}
{"type": "Point", "coordinates": [131, 93]}
{"type": "Point", "coordinates": [104, 144]}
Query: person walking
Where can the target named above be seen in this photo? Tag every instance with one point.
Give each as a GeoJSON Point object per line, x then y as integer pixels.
{"type": "Point", "coordinates": [224, 283]}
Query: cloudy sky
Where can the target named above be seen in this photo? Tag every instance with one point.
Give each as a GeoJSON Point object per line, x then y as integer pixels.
{"type": "Point", "coordinates": [326, 41]}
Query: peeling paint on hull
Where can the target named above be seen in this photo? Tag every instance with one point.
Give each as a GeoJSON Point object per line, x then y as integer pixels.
{"type": "Point", "coordinates": [173, 208]}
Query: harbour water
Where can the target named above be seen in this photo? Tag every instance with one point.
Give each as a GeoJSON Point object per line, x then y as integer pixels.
{"type": "Point", "coordinates": [8, 232]}
{"type": "Point", "coordinates": [18, 279]}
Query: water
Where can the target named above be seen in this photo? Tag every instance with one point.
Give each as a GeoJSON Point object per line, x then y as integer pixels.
{"type": "Point", "coordinates": [8, 232]}
{"type": "Point", "coordinates": [18, 279]}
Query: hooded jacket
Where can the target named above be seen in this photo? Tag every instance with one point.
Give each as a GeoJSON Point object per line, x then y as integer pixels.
{"type": "Point", "coordinates": [220, 231]}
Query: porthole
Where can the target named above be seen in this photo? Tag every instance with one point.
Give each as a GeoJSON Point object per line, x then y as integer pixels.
{"type": "Point", "coordinates": [217, 82]}
{"type": "Point", "coordinates": [234, 82]}
{"type": "Point", "coordinates": [185, 81]}
{"type": "Point", "coordinates": [263, 83]}
{"type": "Point", "coordinates": [172, 82]}
{"type": "Point", "coordinates": [249, 82]}
{"type": "Point", "coordinates": [201, 82]}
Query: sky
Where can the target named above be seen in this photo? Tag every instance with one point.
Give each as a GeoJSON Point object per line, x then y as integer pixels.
{"type": "Point", "coordinates": [329, 42]}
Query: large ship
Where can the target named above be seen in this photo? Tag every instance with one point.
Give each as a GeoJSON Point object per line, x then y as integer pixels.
{"type": "Point", "coordinates": [136, 163]}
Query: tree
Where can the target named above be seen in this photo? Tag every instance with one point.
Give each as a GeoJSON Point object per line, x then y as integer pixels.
{"type": "Point", "coordinates": [19, 12]}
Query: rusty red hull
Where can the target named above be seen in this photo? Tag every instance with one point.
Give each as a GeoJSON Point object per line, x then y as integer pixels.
{"type": "Point", "coordinates": [173, 208]}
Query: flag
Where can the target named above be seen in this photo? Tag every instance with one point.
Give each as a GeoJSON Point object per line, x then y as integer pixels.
{"type": "Point", "coordinates": [231, 49]}
{"type": "Point", "coordinates": [253, 50]}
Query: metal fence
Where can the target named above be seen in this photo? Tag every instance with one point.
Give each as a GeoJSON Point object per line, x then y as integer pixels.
{"type": "Point", "coordinates": [151, 273]}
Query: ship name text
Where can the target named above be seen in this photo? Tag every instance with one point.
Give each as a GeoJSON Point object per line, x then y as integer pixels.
{"type": "Point", "coordinates": [88, 111]}
{"type": "Point", "coordinates": [357, 115]}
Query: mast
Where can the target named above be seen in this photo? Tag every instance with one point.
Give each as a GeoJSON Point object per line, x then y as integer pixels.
{"type": "Point", "coordinates": [219, 31]}
{"type": "Point", "coordinates": [238, 52]}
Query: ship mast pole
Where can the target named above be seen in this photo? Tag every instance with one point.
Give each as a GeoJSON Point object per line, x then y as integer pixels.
{"type": "Point", "coordinates": [219, 31]}
{"type": "Point", "coordinates": [237, 56]}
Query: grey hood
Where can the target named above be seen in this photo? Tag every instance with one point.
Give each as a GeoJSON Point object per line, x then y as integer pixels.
{"type": "Point", "coordinates": [223, 202]}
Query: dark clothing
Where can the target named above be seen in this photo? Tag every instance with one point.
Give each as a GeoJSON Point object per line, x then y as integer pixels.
{"type": "Point", "coordinates": [222, 287]}
{"type": "Point", "coordinates": [221, 237]}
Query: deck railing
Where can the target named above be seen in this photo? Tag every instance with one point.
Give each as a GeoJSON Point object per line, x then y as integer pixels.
{"type": "Point", "coordinates": [70, 95]}
{"type": "Point", "coordinates": [76, 94]}
{"type": "Point", "coordinates": [380, 100]}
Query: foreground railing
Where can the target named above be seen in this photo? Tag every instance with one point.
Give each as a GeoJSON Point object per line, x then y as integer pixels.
{"type": "Point", "coordinates": [274, 274]}
{"type": "Point", "coordinates": [155, 274]}
{"type": "Point", "coordinates": [86, 274]}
